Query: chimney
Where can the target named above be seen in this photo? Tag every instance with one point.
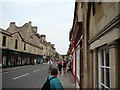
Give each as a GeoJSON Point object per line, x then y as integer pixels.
{"type": "Point", "coordinates": [12, 24]}
{"type": "Point", "coordinates": [49, 42]}
{"type": "Point", "coordinates": [35, 29]}
{"type": "Point", "coordinates": [12, 27]}
{"type": "Point", "coordinates": [30, 23]}
{"type": "Point", "coordinates": [52, 45]}
{"type": "Point", "coordinates": [43, 37]}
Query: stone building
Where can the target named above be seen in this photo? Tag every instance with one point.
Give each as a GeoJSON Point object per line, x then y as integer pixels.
{"type": "Point", "coordinates": [76, 44]}
{"type": "Point", "coordinates": [23, 45]}
{"type": "Point", "coordinates": [95, 44]}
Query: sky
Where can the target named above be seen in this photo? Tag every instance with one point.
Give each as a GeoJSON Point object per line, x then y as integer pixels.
{"type": "Point", "coordinates": [54, 18]}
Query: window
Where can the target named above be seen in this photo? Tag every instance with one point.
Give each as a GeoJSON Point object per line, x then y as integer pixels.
{"type": "Point", "coordinates": [16, 44]}
{"type": "Point", "coordinates": [4, 41]}
{"type": "Point", "coordinates": [104, 68]}
{"type": "Point", "coordinates": [24, 46]}
{"type": "Point", "coordinates": [4, 61]}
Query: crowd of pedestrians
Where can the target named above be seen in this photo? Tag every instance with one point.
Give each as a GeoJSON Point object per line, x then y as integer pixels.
{"type": "Point", "coordinates": [64, 65]}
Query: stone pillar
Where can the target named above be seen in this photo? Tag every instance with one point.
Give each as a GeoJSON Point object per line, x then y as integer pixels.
{"type": "Point", "coordinates": [95, 69]}
{"type": "Point", "coordinates": [90, 69]}
{"type": "Point", "coordinates": [114, 64]}
{"type": "Point", "coordinates": [85, 68]}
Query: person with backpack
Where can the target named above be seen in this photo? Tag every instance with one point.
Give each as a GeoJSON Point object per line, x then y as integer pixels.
{"type": "Point", "coordinates": [52, 82]}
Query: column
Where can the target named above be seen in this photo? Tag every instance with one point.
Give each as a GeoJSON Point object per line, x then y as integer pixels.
{"type": "Point", "coordinates": [95, 68]}
{"type": "Point", "coordinates": [114, 64]}
{"type": "Point", "coordinates": [90, 67]}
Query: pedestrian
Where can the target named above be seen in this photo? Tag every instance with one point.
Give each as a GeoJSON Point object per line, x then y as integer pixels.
{"type": "Point", "coordinates": [60, 66]}
{"type": "Point", "coordinates": [35, 62]}
{"type": "Point", "coordinates": [55, 83]}
{"type": "Point", "coordinates": [57, 62]}
{"type": "Point", "coordinates": [64, 66]}
{"type": "Point", "coordinates": [69, 66]}
{"type": "Point", "coordinates": [50, 65]}
{"type": "Point", "coordinates": [49, 62]}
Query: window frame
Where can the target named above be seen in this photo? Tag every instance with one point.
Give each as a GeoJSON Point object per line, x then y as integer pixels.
{"type": "Point", "coordinates": [16, 44]}
{"type": "Point", "coordinates": [24, 46]}
{"type": "Point", "coordinates": [104, 67]}
{"type": "Point", "coordinates": [4, 41]}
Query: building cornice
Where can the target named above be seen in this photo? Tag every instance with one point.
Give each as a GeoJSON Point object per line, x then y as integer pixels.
{"type": "Point", "coordinates": [5, 32]}
{"type": "Point", "coordinates": [113, 24]}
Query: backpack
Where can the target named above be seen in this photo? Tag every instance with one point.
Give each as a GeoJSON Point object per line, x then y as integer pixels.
{"type": "Point", "coordinates": [46, 85]}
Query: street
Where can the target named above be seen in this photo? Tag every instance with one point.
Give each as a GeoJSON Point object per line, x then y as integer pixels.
{"type": "Point", "coordinates": [78, 37]}
{"type": "Point", "coordinates": [29, 77]}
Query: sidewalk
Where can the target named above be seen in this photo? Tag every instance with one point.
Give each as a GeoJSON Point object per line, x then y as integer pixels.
{"type": "Point", "coordinates": [67, 80]}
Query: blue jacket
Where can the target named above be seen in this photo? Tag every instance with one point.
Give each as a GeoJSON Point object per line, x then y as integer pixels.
{"type": "Point", "coordinates": [55, 84]}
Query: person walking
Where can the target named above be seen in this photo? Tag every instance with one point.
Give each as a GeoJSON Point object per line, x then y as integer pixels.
{"type": "Point", "coordinates": [60, 66]}
{"type": "Point", "coordinates": [55, 83]}
{"type": "Point", "coordinates": [64, 66]}
{"type": "Point", "coordinates": [50, 65]}
{"type": "Point", "coordinates": [69, 66]}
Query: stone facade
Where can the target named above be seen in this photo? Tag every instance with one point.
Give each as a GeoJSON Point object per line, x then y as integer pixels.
{"type": "Point", "coordinates": [25, 44]}
{"type": "Point", "coordinates": [99, 67]}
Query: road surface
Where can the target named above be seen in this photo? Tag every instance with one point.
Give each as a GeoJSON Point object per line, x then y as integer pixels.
{"type": "Point", "coordinates": [29, 77]}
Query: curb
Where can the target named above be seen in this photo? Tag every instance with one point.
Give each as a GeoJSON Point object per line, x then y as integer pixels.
{"type": "Point", "coordinates": [13, 68]}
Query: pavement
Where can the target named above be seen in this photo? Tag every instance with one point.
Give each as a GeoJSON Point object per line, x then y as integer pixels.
{"type": "Point", "coordinates": [67, 79]}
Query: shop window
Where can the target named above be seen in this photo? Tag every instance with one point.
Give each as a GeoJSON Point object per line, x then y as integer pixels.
{"type": "Point", "coordinates": [16, 44]}
{"type": "Point", "coordinates": [104, 68]}
{"type": "Point", "coordinates": [4, 41]}
{"type": "Point", "coordinates": [4, 61]}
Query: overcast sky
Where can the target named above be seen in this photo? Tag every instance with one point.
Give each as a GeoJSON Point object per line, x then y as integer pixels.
{"type": "Point", "coordinates": [53, 18]}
